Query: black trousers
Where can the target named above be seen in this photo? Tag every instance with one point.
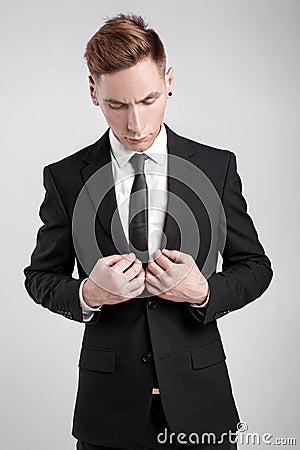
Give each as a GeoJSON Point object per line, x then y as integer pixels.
{"type": "Point", "coordinates": [157, 423]}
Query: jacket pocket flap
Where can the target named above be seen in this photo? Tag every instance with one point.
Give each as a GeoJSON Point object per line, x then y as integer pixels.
{"type": "Point", "coordinates": [100, 360]}
{"type": "Point", "coordinates": [207, 355]}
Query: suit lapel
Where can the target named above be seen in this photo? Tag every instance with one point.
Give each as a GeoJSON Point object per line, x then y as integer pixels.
{"type": "Point", "coordinates": [98, 178]}
{"type": "Point", "coordinates": [176, 148]}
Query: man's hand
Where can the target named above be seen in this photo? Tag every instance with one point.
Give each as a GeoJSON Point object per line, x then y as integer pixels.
{"type": "Point", "coordinates": [114, 279]}
{"type": "Point", "coordinates": [174, 276]}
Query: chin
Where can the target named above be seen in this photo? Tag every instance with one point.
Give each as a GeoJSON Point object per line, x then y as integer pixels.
{"type": "Point", "coordinates": [139, 147]}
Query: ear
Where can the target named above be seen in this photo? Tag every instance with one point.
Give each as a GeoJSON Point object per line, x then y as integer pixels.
{"type": "Point", "coordinates": [169, 79]}
{"type": "Point", "coordinates": [93, 90]}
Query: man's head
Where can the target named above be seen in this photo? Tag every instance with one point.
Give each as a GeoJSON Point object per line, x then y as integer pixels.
{"type": "Point", "coordinates": [128, 79]}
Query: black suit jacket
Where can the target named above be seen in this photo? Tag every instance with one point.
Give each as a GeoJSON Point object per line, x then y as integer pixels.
{"type": "Point", "coordinates": [130, 348]}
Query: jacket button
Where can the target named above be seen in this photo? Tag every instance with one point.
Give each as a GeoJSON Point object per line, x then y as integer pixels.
{"type": "Point", "coordinates": [152, 304]}
{"type": "Point", "coordinates": [146, 357]}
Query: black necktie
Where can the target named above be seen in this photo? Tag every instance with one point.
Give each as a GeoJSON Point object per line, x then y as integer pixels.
{"type": "Point", "coordinates": [138, 210]}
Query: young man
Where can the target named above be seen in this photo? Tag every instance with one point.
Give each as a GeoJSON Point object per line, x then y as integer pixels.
{"type": "Point", "coordinates": [144, 212]}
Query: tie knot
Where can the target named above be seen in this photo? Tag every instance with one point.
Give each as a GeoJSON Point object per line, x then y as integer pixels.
{"type": "Point", "coordinates": [138, 162]}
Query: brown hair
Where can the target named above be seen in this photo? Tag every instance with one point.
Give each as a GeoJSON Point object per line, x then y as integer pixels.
{"type": "Point", "coordinates": [120, 43]}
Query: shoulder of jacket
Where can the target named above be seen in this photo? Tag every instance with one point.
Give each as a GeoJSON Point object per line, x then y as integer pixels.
{"type": "Point", "coordinates": [205, 149]}
{"type": "Point", "coordinates": [74, 161]}
{"type": "Point", "coordinates": [212, 151]}
{"type": "Point", "coordinates": [69, 160]}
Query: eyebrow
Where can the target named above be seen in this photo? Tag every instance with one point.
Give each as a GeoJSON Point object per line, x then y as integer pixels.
{"type": "Point", "coordinates": [155, 94]}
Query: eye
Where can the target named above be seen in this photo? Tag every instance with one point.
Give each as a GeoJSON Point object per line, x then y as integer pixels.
{"type": "Point", "coordinates": [115, 106]}
{"type": "Point", "coordinates": [149, 101]}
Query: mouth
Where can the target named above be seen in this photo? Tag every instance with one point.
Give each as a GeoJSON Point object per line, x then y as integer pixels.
{"type": "Point", "coordinates": [137, 141]}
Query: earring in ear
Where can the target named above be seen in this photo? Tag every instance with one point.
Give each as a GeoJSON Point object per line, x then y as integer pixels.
{"type": "Point", "coordinates": [170, 94]}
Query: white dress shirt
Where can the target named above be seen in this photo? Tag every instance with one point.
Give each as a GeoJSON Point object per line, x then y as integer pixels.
{"type": "Point", "coordinates": [155, 169]}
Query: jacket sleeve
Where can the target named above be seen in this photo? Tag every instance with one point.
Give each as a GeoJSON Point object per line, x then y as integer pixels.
{"type": "Point", "coordinates": [48, 278]}
{"type": "Point", "coordinates": [246, 271]}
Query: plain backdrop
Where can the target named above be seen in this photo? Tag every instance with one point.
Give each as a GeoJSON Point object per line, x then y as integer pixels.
{"type": "Point", "coordinates": [237, 72]}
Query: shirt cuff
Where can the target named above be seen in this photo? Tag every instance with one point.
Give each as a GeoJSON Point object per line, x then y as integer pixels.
{"type": "Point", "coordinates": [203, 305]}
{"type": "Point", "coordinates": [87, 311]}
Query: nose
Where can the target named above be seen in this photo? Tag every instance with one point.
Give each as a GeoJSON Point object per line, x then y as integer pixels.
{"type": "Point", "coordinates": [134, 122]}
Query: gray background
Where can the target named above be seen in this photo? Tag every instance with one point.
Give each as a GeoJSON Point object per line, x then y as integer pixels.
{"type": "Point", "coordinates": [236, 66]}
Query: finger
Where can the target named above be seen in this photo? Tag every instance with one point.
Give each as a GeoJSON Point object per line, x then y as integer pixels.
{"type": "Point", "coordinates": [180, 258]}
{"type": "Point", "coordinates": [124, 263]}
{"type": "Point", "coordinates": [133, 270]}
{"type": "Point", "coordinates": [159, 272]}
{"type": "Point", "coordinates": [112, 259]}
{"type": "Point", "coordinates": [141, 274]}
{"type": "Point", "coordinates": [153, 280]}
{"type": "Point", "coordinates": [154, 268]}
{"type": "Point", "coordinates": [175, 255]}
{"type": "Point", "coordinates": [161, 260]}
{"type": "Point", "coordinates": [148, 274]}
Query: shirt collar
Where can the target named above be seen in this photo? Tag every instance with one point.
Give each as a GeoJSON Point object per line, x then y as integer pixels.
{"type": "Point", "coordinates": [156, 152]}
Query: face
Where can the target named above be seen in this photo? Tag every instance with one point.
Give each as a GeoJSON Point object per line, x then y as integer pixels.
{"type": "Point", "coordinates": [133, 102]}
